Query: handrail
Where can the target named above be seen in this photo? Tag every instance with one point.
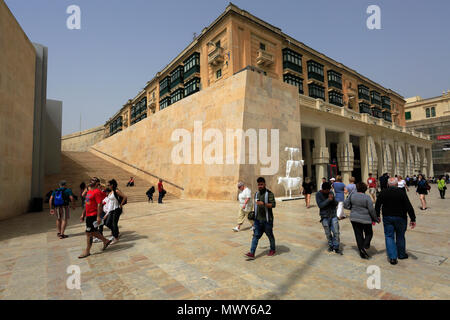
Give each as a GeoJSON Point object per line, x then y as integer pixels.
{"type": "Point", "coordinates": [134, 167]}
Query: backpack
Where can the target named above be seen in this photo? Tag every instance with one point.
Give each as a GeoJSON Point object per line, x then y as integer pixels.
{"type": "Point", "coordinates": [59, 198]}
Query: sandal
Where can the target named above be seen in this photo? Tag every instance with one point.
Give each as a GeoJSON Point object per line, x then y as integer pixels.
{"type": "Point", "coordinates": [106, 245]}
{"type": "Point", "coordinates": [63, 236]}
{"type": "Point", "coordinates": [84, 256]}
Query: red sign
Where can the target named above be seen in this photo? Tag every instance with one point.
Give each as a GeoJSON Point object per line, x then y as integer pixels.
{"type": "Point", "coordinates": [444, 137]}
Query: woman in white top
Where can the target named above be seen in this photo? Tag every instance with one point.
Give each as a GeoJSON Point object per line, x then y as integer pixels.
{"type": "Point", "coordinates": [402, 184]}
{"type": "Point", "coordinates": [245, 205]}
{"type": "Point", "coordinates": [113, 208]}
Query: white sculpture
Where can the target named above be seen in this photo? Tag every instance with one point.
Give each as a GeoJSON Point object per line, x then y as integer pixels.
{"type": "Point", "coordinates": [291, 183]}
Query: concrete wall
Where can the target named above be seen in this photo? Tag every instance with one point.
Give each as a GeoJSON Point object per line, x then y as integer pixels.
{"type": "Point", "coordinates": [247, 100]}
{"type": "Point", "coordinates": [52, 136]}
{"type": "Point", "coordinates": [17, 84]}
{"type": "Point", "coordinates": [81, 141]}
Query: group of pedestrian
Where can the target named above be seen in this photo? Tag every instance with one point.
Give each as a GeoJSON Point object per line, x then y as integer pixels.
{"type": "Point", "coordinates": [102, 205]}
{"type": "Point", "coordinates": [162, 192]}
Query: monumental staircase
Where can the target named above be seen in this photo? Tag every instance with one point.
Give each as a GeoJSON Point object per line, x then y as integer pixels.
{"type": "Point", "coordinates": [77, 167]}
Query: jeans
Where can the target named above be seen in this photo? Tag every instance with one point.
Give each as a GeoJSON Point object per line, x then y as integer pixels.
{"type": "Point", "coordinates": [363, 234]}
{"type": "Point", "coordinates": [260, 228]}
{"type": "Point", "coordinates": [331, 227]}
{"type": "Point", "coordinates": [442, 193]}
{"type": "Point", "coordinates": [160, 197]}
{"type": "Point", "coordinates": [394, 233]}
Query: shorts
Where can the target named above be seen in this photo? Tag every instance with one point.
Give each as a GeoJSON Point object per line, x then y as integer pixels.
{"type": "Point", "coordinates": [90, 224]}
{"type": "Point", "coordinates": [62, 213]}
{"type": "Point", "coordinates": [372, 190]}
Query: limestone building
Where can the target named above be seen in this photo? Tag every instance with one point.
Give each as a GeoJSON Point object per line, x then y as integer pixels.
{"type": "Point", "coordinates": [30, 124]}
{"type": "Point", "coordinates": [432, 116]}
{"type": "Point", "coordinates": [242, 72]}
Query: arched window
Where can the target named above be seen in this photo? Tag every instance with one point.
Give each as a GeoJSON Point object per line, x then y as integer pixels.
{"type": "Point", "coordinates": [427, 112]}
{"type": "Point", "coordinates": [433, 111]}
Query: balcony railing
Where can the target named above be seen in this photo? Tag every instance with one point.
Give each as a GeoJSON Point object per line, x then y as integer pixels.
{"type": "Point", "coordinates": [263, 58]}
{"type": "Point", "coordinates": [216, 57]}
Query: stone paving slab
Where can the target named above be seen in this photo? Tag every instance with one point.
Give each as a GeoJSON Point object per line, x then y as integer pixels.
{"type": "Point", "coordinates": [185, 249]}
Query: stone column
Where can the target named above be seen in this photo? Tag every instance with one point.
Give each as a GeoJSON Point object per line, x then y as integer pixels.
{"type": "Point", "coordinates": [423, 161]}
{"type": "Point", "coordinates": [429, 156]}
{"type": "Point", "coordinates": [308, 158]}
{"type": "Point", "coordinates": [320, 156]}
{"type": "Point", "coordinates": [364, 152]}
{"type": "Point", "coordinates": [416, 155]}
{"type": "Point", "coordinates": [345, 156]}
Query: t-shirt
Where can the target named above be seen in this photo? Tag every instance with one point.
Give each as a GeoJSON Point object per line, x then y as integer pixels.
{"type": "Point", "coordinates": [339, 190]}
{"type": "Point", "coordinates": [372, 182]}
{"type": "Point", "coordinates": [160, 187]}
{"type": "Point", "coordinates": [401, 183]}
{"type": "Point", "coordinates": [66, 193]}
{"type": "Point", "coordinates": [93, 198]}
{"type": "Point", "coordinates": [246, 193]}
{"type": "Point", "coordinates": [307, 187]}
{"type": "Point", "coordinates": [351, 187]}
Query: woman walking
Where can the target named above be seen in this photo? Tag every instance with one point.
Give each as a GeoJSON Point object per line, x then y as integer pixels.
{"type": "Point", "coordinates": [362, 216]}
{"type": "Point", "coordinates": [351, 187]}
{"type": "Point", "coordinates": [307, 191]}
{"type": "Point", "coordinates": [113, 208]}
{"type": "Point", "coordinates": [339, 189]}
{"type": "Point", "coordinates": [402, 184]}
{"type": "Point", "coordinates": [422, 190]}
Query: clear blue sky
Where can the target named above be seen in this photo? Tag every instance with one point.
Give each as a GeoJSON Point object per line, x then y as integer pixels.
{"type": "Point", "coordinates": [122, 44]}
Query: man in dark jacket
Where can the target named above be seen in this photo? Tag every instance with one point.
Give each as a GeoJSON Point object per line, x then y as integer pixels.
{"type": "Point", "coordinates": [327, 205]}
{"type": "Point", "coordinates": [384, 181]}
{"type": "Point", "coordinates": [264, 203]}
{"type": "Point", "coordinates": [395, 204]}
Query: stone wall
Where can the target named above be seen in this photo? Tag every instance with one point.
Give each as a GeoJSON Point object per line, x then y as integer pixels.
{"type": "Point", "coordinates": [17, 83]}
{"type": "Point", "coordinates": [81, 141]}
{"type": "Point", "coordinates": [248, 100]}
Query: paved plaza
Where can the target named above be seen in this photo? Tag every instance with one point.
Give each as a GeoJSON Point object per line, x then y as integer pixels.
{"type": "Point", "coordinates": [186, 249]}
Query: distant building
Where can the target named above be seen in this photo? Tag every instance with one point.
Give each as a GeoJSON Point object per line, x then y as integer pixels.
{"type": "Point", "coordinates": [432, 116]}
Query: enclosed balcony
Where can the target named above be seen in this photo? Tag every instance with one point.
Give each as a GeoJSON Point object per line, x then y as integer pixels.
{"type": "Point", "coordinates": [376, 112]}
{"type": "Point", "coordinates": [292, 61]}
{"type": "Point", "coordinates": [191, 66]}
{"type": "Point", "coordinates": [363, 93]}
{"type": "Point", "coordinates": [386, 103]}
{"type": "Point", "coordinates": [315, 71]}
{"type": "Point", "coordinates": [164, 86]}
{"type": "Point", "coordinates": [375, 98]}
{"type": "Point", "coordinates": [387, 116]}
{"type": "Point", "coordinates": [216, 56]}
{"type": "Point", "coordinates": [365, 108]}
{"type": "Point", "coordinates": [334, 79]}
{"type": "Point", "coordinates": [335, 98]}
{"type": "Point", "coordinates": [176, 77]}
{"type": "Point", "coordinates": [294, 80]}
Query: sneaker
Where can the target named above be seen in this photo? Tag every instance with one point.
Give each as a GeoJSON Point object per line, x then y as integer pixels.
{"type": "Point", "coordinates": [271, 253]}
{"type": "Point", "coordinates": [338, 251]}
{"type": "Point", "coordinates": [236, 229]}
{"type": "Point", "coordinates": [404, 257]}
{"type": "Point", "coordinates": [330, 249]}
{"type": "Point", "coordinates": [111, 238]}
{"type": "Point", "coordinates": [393, 261]}
{"type": "Point", "coordinates": [97, 240]}
{"type": "Point", "coordinates": [250, 255]}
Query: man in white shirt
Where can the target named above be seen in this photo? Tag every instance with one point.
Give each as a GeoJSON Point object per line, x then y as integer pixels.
{"type": "Point", "coordinates": [245, 205]}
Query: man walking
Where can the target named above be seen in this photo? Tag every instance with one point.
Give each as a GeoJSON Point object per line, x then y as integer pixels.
{"type": "Point", "coordinates": [245, 205]}
{"type": "Point", "coordinates": [395, 204]}
{"type": "Point", "coordinates": [264, 203]}
{"type": "Point", "coordinates": [384, 181]}
{"type": "Point", "coordinates": [92, 213]}
{"type": "Point", "coordinates": [161, 191]}
{"type": "Point", "coordinates": [328, 217]}
{"type": "Point", "coordinates": [59, 205]}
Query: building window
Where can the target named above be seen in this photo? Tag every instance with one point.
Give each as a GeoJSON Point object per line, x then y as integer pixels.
{"type": "Point", "coordinates": [164, 103]}
{"type": "Point", "coordinates": [192, 86]}
{"type": "Point", "coordinates": [387, 116]}
{"type": "Point", "coordinates": [164, 86]}
{"type": "Point", "coordinates": [316, 91]}
{"type": "Point", "coordinates": [115, 125]}
{"type": "Point", "coordinates": [334, 79]}
{"type": "Point", "coordinates": [433, 111]}
{"type": "Point", "coordinates": [292, 60]}
{"type": "Point", "coordinates": [296, 81]}
{"type": "Point", "coordinates": [375, 98]}
{"type": "Point", "coordinates": [191, 65]}
{"type": "Point", "coordinates": [363, 92]}
{"type": "Point", "coordinates": [177, 95]}
{"type": "Point", "coordinates": [218, 73]}
{"type": "Point", "coordinates": [315, 70]}
{"type": "Point", "coordinates": [427, 112]}
{"type": "Point", "coordinates": [335, 98]}
{"type": "Point", "coordinates": [262, 46]}
{"type": "Point", "coordinates": [386, 102]}
{"type": "Point", "coordinates": [138, 110]}
{"type": "Point", "coordinates": [377, 113]}
{"type": "Point", "coordinates": [408, 115]}
{"type": "Point", "coordinates": [364, 108]}
{"type": "Point", "coordinates": [176, 76]}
